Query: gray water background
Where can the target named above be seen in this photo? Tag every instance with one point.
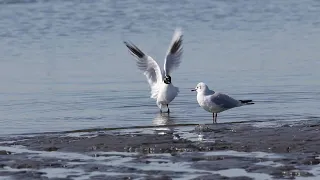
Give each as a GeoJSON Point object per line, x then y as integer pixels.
{"type": "Point", "coordinates": [63, 64]}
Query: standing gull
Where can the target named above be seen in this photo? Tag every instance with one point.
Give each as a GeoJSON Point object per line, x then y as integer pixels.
{"type": "Point", "coordinates": [160, 80]}
{"type": "Point", "coordinates": [216, 102]}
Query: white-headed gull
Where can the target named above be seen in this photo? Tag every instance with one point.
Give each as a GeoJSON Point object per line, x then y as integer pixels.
{"type": "Point", "coordinates": [216, 102]}
{"type": "Point", "coordinates": [160, 80]}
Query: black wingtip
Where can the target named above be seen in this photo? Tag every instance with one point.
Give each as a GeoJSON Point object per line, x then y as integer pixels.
{"type": "Point", "coordinates": [134, 49]}
{"type": "Point", "coordinates": [176, 45]}
{"type": "Point", "coordinates": [246, 101]}
{"type": "Point", "coordinates": [127, 44]}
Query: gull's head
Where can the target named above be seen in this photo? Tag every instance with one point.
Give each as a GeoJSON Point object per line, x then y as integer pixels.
{"type": "Point", "coordinates": [201, 87]}
{"type": "Point", "coordinates": [167, 79]}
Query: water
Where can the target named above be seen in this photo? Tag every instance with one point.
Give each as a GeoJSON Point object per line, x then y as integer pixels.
{"type": "Point", "coordinates": [121, 160]}
{"type": "Point", "coordinates": [64, 65]}
{"type": "Point", "coordinates": [115, 164]}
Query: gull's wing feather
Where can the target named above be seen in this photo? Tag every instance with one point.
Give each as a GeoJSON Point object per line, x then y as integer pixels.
{"type": "Point", "coordinates": [224, 101]}
{"type": "Point", "coordinates": [173, 57]}
{"type": "Point", "coordinates": [149, 66]}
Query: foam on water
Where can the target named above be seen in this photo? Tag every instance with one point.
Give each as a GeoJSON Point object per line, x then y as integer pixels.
{"type": "Point", "coordinates": [270, 163]}
{"type": "Point", "coordinates": [81, 134]}
{"type": "Point", "coordinates": [244, 154]}
{"type": "Point", "coordinates": [7, 142]}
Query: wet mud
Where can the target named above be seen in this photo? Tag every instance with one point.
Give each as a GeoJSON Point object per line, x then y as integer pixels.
{"type": "Point", "coordinates": [219, 151]}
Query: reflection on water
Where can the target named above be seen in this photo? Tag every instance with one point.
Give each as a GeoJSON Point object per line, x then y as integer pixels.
{"type": "Point", "coordinates": [167, 125]}
{"type": "Point", "coordinates": [163, 119]}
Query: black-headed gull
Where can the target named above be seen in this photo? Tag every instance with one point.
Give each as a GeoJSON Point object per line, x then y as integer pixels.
{"type": "Point", "coordinates": [216, 102]}
{"type": "Point", "coordinates": [160, 80]}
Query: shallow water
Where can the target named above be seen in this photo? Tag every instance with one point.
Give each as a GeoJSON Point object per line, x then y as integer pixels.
{"type": "Point", "coordinates": [74, 158]}
{"type": "Point", "coordinates": [63, 65]}
{"type": "Point", "coordinates": [155, 163]}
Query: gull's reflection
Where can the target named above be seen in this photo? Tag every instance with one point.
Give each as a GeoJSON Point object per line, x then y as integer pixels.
{"type": "Point", "coordinates": [164, 121]}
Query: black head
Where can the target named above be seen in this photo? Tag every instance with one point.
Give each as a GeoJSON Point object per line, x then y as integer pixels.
{"type": "Point", "coordinates": [167, 79]}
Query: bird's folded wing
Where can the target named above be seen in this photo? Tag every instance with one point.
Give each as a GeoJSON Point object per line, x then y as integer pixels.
{"type": "Point", "coordinates": [224, 100]}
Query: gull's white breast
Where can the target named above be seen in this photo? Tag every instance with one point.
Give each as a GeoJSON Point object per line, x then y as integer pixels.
{"type": "Point", "coordinates": [167, 92]}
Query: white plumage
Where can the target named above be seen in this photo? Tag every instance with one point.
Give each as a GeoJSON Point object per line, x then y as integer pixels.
{"type": "Point", "coordinates": [160, 80]}
{"type": "Point", "coordinates": [216, 102]}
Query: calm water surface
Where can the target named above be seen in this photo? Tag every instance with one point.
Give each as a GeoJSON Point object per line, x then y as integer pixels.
{"type": "Point", "coordinates": [64, 66]}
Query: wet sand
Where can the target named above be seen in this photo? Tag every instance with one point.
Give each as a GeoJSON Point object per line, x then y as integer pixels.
{"type": "Point", "coordinates": [222, 151]}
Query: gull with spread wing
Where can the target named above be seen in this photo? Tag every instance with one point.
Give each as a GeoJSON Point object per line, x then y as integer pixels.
{"type": "Point", "coordinates": [160, 80]}
{"type": "Point", "coordinates": [216, 102]}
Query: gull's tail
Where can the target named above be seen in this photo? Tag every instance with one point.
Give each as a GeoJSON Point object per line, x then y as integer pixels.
{"type": "Point", "coordinates": [246, 102]}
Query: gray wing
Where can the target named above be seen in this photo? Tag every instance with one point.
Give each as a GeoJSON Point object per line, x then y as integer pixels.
{"type": "Point", "coordinates": [174, 54]}
{"type": "Point", "coordinates": [224, 101]}
{"type": "Point", "coordinates": [146, 64]}
{"type": "Point", "coordinates": [149, 66]}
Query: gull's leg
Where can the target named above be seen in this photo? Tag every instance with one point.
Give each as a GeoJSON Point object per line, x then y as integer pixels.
{"type": "Point", "coordinates": [215, 120]}
{"type": "Point", "coordinates": [168, 108]}
{"type": "Point", "coordinates": [212, 117]}
{"type": "Point", "coordinates": [160, 106]}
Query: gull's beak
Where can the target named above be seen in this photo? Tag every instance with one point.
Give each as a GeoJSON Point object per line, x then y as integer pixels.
{"type": "Point", "coordinates": [193, 89]}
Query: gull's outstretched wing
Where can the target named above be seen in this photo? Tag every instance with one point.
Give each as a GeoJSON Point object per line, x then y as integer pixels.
{"type": "Point", "coordinates": [173, 57]}
{"type": "Point", "coordinates": [149, 66]}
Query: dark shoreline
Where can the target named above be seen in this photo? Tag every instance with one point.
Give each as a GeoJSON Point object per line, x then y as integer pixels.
{"type": "Point", "coordinates": [298, 145]}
